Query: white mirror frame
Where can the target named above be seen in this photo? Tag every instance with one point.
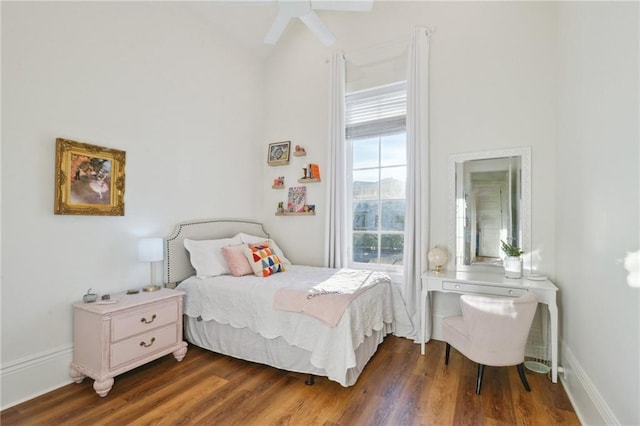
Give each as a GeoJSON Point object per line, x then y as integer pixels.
{"type": "Point", "coordinates": [525, 154]}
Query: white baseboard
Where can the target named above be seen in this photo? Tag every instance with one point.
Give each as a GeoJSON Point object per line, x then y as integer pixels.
{"type": "Point", "coordinates": [589, 405]}
{"type": "Point", "coordinates": [33, 376]}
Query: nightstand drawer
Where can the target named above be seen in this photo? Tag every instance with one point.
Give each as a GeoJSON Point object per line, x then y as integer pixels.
{"type": "Point", "coordinates": [143, 345]}
{"type": "Point", "coordinates": [483, 289]}
{"type": "Point", "coordinates": [144, 320]}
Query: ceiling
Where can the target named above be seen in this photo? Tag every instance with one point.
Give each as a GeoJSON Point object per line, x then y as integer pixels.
{"type": "Point", "coordinates": [247, 21]}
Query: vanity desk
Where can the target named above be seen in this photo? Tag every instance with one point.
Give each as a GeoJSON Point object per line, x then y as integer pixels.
{"type": "Point", "coordinates": [491, 283]}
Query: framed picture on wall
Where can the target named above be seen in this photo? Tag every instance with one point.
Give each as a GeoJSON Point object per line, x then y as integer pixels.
{"type": "Point", "coordinates": [89, 179]}
{"type": "Point", "coordinates": [278, 154]}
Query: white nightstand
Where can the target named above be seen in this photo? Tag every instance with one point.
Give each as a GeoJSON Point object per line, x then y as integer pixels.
{"type": "Point", "coordinates": [109, 339]}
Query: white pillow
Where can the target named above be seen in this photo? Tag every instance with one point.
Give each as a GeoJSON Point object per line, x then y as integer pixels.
{"type": "Point", "coordinates": [207, 257]}
{"type": "Point", "coordinates": [253, 239]}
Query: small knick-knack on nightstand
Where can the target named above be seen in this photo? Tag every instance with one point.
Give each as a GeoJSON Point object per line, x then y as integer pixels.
{"type": "Point", "coordinates": [89, 297]}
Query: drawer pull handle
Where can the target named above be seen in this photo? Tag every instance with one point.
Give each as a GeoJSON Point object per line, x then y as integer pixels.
{"type": "Point", "coordinates": [457, 286]}
{"type": "Point", "coordinates": [144, 320]}
{"type": "Point", "coordinates": [510, 291]}
{"type": "Point", "coordinates": [153, 339]}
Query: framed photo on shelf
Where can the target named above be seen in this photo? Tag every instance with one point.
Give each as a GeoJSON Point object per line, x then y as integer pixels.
{"type": "Point", "coordinates": [89, 179]}
{"type": "Point", "coordinates": [297, 199]}
{"type": "Point", "coordinates": [278, 154]}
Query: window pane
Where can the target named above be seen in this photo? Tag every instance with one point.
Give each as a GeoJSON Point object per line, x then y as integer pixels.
{"type": "Point", "coordinates": [365, 248]}
{"type": "Point", "coordinates": [393, 182]}
{"type": "Point", "coordinates": [365, 153]}
{"type": "Point", "coordinates": [365, 184]}
{"type": "Point", "coordinates": [391, 249]}
{"type": "Point", "coordinates": [393, 215]}
{"type": "Point", "coordinates": [365, 216]}
{"type": "Point", "coordinates": [393, 150]}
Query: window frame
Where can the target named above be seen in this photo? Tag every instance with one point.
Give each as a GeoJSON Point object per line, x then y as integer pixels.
{"type": "Point", "coordinates": [386, 116]}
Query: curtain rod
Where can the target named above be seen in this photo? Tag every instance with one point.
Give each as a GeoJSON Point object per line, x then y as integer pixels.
{"type": "Point", "coordinates": [389, 43]}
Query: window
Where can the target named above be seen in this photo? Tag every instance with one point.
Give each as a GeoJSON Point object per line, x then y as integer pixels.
{"type": "Point", "coordinates": [376, 138]}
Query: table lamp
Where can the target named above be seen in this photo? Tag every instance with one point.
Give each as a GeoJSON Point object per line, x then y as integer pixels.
{"type": "Point", "coordinates": [151, 250]}
{"type": "Point", "coordinates": [437, 257]}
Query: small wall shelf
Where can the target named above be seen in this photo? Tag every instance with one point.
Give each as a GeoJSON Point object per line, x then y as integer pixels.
{"type": "Point", "coordinates": [296, 214]}
{"type": "Point", "coordinates": [277, 186]}
{"type": "Point", "coordinates": [308, 180]}
{"type": "Point", "coordinates": [299, 153]}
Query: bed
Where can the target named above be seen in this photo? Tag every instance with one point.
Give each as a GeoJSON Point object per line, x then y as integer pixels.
{"type": "Point", "coordinates": [237, 315]}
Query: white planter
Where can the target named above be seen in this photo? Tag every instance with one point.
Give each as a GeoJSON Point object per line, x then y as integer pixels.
{"type": "Point", "coordinates": [513, 267]}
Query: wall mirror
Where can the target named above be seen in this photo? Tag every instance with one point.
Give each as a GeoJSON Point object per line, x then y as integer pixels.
{"type": "Point", "coordinates": [489, 198]}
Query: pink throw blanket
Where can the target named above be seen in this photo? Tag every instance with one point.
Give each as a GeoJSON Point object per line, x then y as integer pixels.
{"type": "Point", "coordinates": [328, 300]}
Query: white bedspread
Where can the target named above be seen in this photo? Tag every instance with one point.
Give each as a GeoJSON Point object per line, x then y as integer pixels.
{"type": "Point", "coordinates": [248, 302]}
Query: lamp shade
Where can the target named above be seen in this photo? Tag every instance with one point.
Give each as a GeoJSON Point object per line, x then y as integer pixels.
{"type": "Point", "coordinates": [150, 250]}
{"type": "Point", "coordinates": [438, 257]}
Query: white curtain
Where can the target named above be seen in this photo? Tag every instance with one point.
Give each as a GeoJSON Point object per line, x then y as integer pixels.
{"type": "Point", "coordinates": [416, 228]}
{"type": "Point", "coordinates": [335, 243]}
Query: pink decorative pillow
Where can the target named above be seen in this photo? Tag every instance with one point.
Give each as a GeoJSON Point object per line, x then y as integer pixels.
{"type": "Point", "coordinates": [237, 261]}
{"type": "Point", "coordinates": [206, 255]}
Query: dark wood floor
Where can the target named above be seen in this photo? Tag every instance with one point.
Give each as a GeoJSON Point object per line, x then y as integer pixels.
{"type": "Point", "coordinates": [398, 387]}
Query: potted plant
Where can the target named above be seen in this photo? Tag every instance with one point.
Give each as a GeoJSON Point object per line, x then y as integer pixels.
{"type": "Point", "coordinates": [513, 260]}
{"type": "Point", "coordinates": [280, 207]}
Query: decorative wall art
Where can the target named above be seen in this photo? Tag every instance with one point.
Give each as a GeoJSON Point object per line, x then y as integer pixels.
{"type": "Point", "coordinates": [278, 154]}
{"type": "Point", "coordinates": [89, 179]}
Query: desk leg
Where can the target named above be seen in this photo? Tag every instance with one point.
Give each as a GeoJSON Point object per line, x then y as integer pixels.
{"type": "Point", "coordinates": [553, 313]}
{"type": "Point", "coordinates": [425, 325]}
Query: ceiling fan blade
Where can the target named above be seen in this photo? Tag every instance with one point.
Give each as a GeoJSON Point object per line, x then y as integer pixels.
{"type": "Point", "coordinates": [343, 5]}
{"type": "Point", "coordinates": [277, 28]}
{"type": "Point", "coordinates": [316, 26]}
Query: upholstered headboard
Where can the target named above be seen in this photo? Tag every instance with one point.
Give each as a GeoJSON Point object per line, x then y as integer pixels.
{"type": "Point", "coordinates": [177, 265]}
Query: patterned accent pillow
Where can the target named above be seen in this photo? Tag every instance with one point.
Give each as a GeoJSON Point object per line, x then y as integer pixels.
{"type": "Point", "coordinates": [263, 260]}
{"type": "Point", "coordinates": [252, 239]}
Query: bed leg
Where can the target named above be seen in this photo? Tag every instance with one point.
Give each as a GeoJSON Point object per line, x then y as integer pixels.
{"type": "Point", "coordinates": [310, 380]}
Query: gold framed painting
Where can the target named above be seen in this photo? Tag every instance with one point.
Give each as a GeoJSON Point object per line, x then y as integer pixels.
{"type": "Point", "coordinates": [278, 153]}
{"type": "Point", "coordinates": [89, 179]}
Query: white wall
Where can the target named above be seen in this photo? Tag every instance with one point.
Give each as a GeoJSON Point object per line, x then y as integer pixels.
{"type": "Point", "coordinates": [145, 78]}
{"type": "Point", "coordinates": [598, 214]}
{"type": "Point", "coordinates": [296, 83]}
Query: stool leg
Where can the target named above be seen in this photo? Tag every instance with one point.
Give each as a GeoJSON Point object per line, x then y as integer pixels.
{"type": "Point", "coordinates": [446, 354]}
{"type": "Point", "coordinates": [523, 377]}
{"type": "Point", "coordinates": [479, 380]}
